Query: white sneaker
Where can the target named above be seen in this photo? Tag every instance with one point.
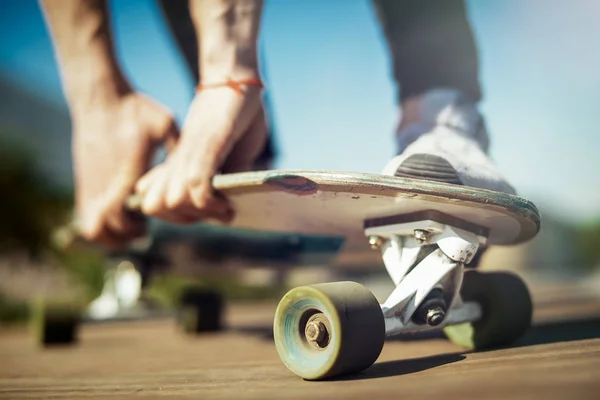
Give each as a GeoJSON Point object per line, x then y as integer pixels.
{"type": "Point", "coordinates": [449, 144]}
{"type": "Point", "coordinates": [120, 294]}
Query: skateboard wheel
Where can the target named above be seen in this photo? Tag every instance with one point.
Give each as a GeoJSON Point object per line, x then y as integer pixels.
{"type": "Point", "coordinates": [200, 310]}
{"type": "Point", "coordinates": [55, 324]}
{"type": "Point", "coordinates": [506, 310]}
{"type": "Point", "coordinates": [326, 330]}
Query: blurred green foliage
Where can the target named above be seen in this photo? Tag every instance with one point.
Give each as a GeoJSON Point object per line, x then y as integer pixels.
{"type": "Point", "coordinates": [587, 245]}
{"type": "Point", "coordinates": [166, 289]}
{"type": "Point", "coordinates": [12, 311]}
{"type": "Point", "coordinates": [30, 207]}
{"type": "Point", "coordinates": [85, 270]}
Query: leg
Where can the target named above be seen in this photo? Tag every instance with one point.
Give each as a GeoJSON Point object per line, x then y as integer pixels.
{"type": "Point", "coordinates": [431, 45]}
{"type": "Point", "coordinates": [442, 136]}
{"type": "Point", "coordinates": [177, 18]}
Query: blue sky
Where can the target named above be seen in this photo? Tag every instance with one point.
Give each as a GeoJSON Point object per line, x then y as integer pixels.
{"type": "Point", "coordinates": [334, 97]}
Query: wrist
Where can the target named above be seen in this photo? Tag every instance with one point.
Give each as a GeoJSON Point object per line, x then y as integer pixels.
{"type": "Point", "coordinates": [88, 84]}
{"type": "Point", "coordinates": [83, 47]}
{"type": "Point", "coordinates": [228, 34]}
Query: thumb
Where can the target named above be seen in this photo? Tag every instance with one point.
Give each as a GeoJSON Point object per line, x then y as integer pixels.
{"type": "Point", "coordinates": [164, 129]}
{"type": "Point", "coordinates": [249, 147]}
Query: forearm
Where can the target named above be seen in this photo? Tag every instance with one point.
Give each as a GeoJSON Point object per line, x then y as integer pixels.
{"type": "Point", "coordinates": [83, 45]}
{"type": "Point", "coordinates": [228, 38]}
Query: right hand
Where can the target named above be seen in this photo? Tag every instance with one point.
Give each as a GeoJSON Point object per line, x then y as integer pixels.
{"type": "Point", "coordinates": [225, 131]}
{"type": "Point", "coordinates": [114, 141]}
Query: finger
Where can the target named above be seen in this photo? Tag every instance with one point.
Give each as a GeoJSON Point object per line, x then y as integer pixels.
{"type": "Point", "coordinates": [153, 201]}
{"type": "Point", "coordinates": [247, 150]}
{"type": "Point", "coordinates": [152, 192]}
{"type": "Point", "coordinates": [97, 232]}
{"type": "Point", "coordinates": [121, 220]}
{"type": "Point", "coordinates": [211, 204]}
{"type": "Point", "coordinates": [183, 211]}
{"type": "Point", "coordinates": [143, 184]}
{"type": "Point", "coordinates": [178, 200]}
{"type": "Point", "coordinates": [177, 193]}
{"type": "Point", "coordinates": [180, 215]}
{"type": "Point", "coordinates": [125, 224]}
{"type": "Point", "coordinates": [178, 205]}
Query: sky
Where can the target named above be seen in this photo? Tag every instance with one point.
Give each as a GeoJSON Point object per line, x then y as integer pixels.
{"type": "Point", "coordinates": [334, 99]}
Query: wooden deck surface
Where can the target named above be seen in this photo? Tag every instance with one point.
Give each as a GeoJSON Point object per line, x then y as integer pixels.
{"type": "Point", "coordinates": [558, 359]}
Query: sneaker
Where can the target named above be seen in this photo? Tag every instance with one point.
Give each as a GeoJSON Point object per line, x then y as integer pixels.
{"type": "Point", "coordinates": [122, 296]}
{"type": "Point", "coordinates": [450, 144]}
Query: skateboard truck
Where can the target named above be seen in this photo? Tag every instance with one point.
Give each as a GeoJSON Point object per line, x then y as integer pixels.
{"type": "Point", "coordinates": [425, 259]}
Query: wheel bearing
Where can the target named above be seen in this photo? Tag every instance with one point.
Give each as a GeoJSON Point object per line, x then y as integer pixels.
{"type": "Point", "coordinates": [317, 331]}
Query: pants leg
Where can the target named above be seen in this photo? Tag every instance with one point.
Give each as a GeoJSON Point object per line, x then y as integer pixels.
{"type": "Point", "coordinates": [178, 19]}
{"type": "Point", "coordinates": [431, 45]}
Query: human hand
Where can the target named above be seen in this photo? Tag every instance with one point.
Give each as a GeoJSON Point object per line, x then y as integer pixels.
{"type": "Point", "coordinates": [114, 141]}
{"type": "Point", "coordinates": [224, 131]}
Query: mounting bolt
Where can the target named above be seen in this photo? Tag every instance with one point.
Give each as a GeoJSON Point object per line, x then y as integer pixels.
{"type": "Point", "coordinates": [375, 242]}
{"type": "Point", "coordinates": [435, 316]}
{"type": "Point", "coordinates": [421, 236]}
{"type": "Point", "coordinates": [315, 331]}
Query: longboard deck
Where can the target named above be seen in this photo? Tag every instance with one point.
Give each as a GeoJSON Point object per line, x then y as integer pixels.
{"type": "Point", "coordinates": [338, 203]}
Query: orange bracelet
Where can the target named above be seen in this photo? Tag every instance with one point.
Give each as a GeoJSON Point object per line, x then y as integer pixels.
{"type": "Point", "coordinates": [235, 85]}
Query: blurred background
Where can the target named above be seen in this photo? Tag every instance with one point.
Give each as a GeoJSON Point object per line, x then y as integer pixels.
{"type": "Point", "coordinates": [333, 106]}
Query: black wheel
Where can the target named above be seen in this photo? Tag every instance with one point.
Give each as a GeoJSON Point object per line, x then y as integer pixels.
{"type": "Point", "coordinates": [56, 324]}
{"type": "Point", "coordinates": [506, 310]}
{"type": "Point", "coordinates": [326, 330]}
{"type": "Point", "coordinates": [200, 310]}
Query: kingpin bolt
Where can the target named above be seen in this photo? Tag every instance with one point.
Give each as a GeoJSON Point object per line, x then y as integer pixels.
{"type": "Point", "coordinates": [421, 236]}
{"type": "Point", "coordinates": [435, 316]}
{"type": "Point", "coordinates": [375, 242]}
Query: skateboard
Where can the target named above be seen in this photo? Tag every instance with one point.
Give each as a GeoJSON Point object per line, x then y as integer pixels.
{"type": "Point", "coordinates": [427, 233]}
